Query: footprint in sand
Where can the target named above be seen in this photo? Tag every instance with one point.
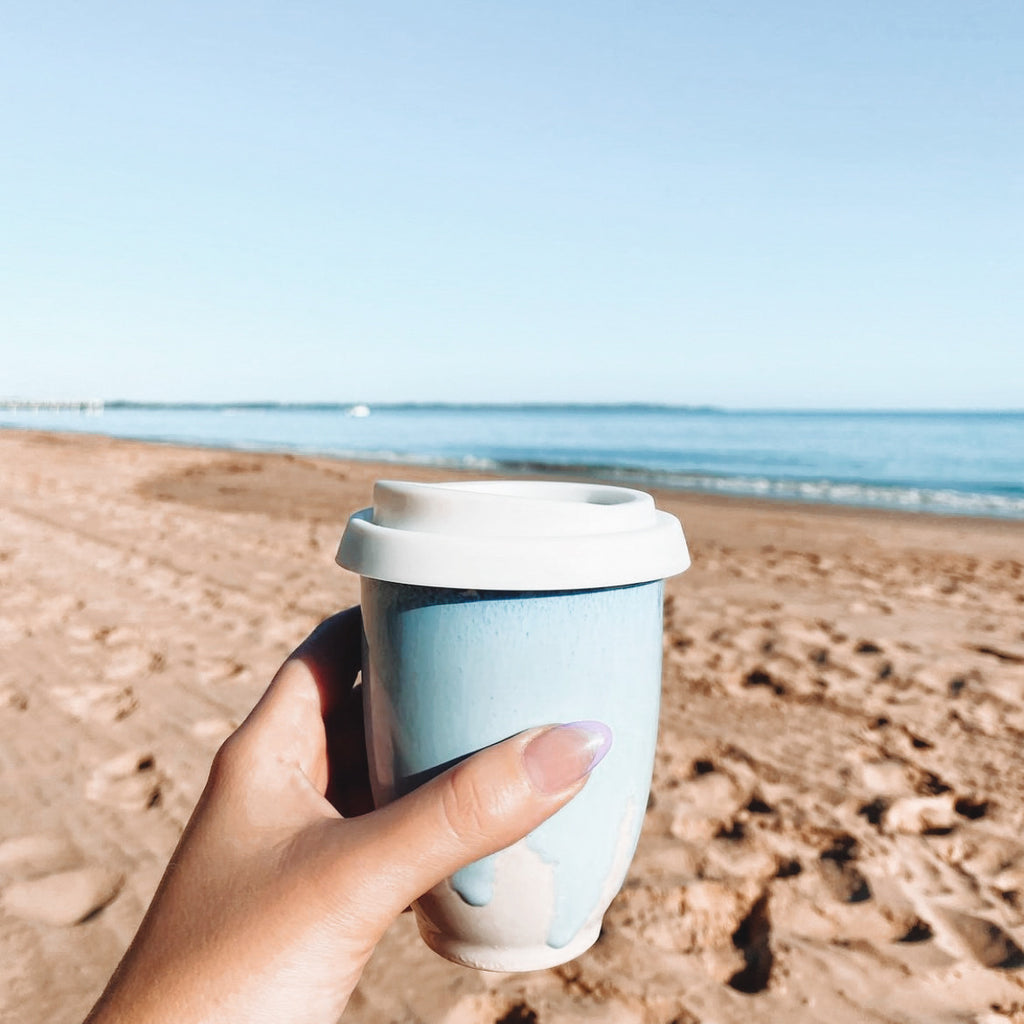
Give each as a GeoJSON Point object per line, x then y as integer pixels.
{"type": "Point", "coordinates": [976, 938]}
{"type": "Point", "coordinates": [921, 815]}
{"type": "Point", "coordinates": [129, 782]}
{"type": "Point", "coordinates": [840, 874]}
{"type": "Point", "coordinates": [132, 663]}
{"type": "Point", "coordinates": [887, 777]}
{"type": "Point", "coordinates": [116, 636]}
{"type": "Point", "coordinates": [12, 697]}
{"type": "Point", "coordinates": [103, 702]}
{"type": "Point", "coordinates": [753, 939]}
{"type": "Point", "coordinates": [63, 898]}
{"type": "Point", "coordinates": [705, 806]}
{"type": "Point", "coordinates": [702, 916]}
{"type": "Point", "coordinates": [38, 854]}
{"type": "Point", "coordinates": [998, 860]}
{"type": "Point", "coordinates": [220, 670]}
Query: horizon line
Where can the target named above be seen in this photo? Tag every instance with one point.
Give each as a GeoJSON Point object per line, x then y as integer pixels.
{"type": "Point", "coordinates": [99, 404]}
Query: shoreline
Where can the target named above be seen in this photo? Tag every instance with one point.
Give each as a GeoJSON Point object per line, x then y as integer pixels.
{"type": "Point", "coordinates": [637, 479]}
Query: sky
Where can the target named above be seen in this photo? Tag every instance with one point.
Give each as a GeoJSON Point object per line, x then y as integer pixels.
{"type": "Point", "coordinates": [797, 205]}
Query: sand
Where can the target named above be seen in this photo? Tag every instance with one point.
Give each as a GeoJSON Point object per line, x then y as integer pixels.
{"type": "Point", "coordinates": [836, 829]}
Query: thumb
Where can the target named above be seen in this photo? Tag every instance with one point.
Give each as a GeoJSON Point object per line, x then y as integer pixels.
{"type": "Point", "coordinates": [485, 803]}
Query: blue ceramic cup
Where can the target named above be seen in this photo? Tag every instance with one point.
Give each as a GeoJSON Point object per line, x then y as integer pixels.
{"type": "Point", "coordinates": [491, 608]}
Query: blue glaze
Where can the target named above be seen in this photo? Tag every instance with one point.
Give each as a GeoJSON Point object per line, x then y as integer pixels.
{"type": "Point", "coordinates": [475, 882]}
{"type": "Point", "coordinates": [449, 672]}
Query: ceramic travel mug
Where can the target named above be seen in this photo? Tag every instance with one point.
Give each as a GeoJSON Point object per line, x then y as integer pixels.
{"type": "Point", "coordinates": [490, 608]}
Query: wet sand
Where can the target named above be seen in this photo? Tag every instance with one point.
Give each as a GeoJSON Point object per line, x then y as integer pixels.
{"type": "Point", "coordinates": [836, 829]}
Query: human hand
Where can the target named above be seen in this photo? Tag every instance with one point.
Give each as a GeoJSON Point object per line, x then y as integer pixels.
{"type": "Point", "coordinates": [281, 885]}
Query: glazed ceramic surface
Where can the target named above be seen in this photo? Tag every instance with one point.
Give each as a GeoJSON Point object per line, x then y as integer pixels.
{"type": "Point", "coordinates": [448, 672]}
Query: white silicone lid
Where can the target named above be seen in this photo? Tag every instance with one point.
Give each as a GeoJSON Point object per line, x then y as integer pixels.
{"type": "Point", "coordinates": [512, 535]}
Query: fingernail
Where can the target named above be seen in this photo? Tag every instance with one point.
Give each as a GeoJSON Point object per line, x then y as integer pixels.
{"type": "Point", "coordinates": [562, 755]}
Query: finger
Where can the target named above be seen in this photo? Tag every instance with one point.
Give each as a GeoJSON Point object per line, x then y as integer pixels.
{"type": "Point", "coordinates": [311, 714]}
{"type": "Point", "coordinates": [333, 654]}
{"type": "Point", "coordinates": [482, 805]}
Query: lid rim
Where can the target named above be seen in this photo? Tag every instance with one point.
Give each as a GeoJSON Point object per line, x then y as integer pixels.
{"type": "Point", "coordinates": [438, 535]}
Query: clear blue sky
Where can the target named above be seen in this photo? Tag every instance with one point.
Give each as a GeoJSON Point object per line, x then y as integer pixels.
{"type": "Point", "coordinates": [747, 204]}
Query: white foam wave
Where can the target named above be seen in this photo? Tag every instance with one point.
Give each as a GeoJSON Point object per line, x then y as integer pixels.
{"type": "Point", "coordinates": [915, 499]}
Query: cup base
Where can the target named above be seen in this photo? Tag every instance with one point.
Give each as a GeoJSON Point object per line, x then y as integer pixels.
{"type": "Point", "coordinates": [500, 958]}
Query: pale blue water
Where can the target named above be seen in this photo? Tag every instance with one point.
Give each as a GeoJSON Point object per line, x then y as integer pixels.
{"type": "Point", "coordinates": [954, 463]}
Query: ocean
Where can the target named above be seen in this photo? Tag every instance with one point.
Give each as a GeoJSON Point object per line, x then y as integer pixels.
{"type": "Point", "coordinates": [954, 463]}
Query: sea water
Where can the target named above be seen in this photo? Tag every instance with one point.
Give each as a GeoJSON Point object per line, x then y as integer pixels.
{"type": "Point", "coordinates": [448, 672]}
{"type": "Point", "coordinates": [944, 462]}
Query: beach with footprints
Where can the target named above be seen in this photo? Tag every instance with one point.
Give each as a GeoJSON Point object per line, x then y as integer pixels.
{"type": "Point", "coordinates": [836, 826]}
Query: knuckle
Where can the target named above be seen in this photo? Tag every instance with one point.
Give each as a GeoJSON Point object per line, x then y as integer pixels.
{"type": "Point", "coordinates": [230, 759]}
{"type": "Point", "coordinates": [468, 807]}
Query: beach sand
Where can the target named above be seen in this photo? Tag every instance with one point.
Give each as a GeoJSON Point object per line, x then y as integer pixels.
{"type": "Point", "coordinates": [836, 829]}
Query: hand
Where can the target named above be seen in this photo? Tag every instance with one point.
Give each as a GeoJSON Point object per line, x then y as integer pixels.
{"type": "Point", "coordinates": [281, 885]}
